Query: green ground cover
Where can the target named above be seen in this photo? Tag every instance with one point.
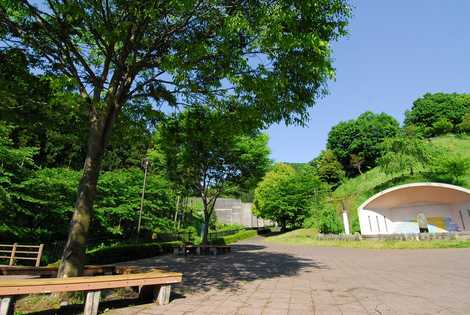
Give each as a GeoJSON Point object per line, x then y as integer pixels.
{"type": "Point", "coordinates": [308, 237]}
{"type": "Point", "coordinates": [356, 190]}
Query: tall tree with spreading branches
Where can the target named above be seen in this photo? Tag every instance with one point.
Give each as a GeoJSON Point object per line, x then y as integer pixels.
{"type": "Point", "coordinates": [267, 59]}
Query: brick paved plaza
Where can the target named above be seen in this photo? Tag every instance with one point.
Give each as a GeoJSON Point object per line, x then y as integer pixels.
{"type": "Point", "coordinates": [265, 278]}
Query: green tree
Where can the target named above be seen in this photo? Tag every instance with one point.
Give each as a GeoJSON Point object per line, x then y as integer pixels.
{"type": "Point", "coordinates": [405, 154]}
{"type": "Point", "coordinates": [442, 126]}
{"type": "Point", "coordinates": [431, 108]}
{"type": "Point", "coordinates": [361, 137]}
{"type": "Point", "coordinates": [206, 151]}
{"type": "Point", "coordinates": [451, 169]}
{"type": "Point", "coordinates": [285, 195]}
{"type": "Point", "coordinates": [328, 168]}
{"type": "Point", "coordinates": [48, 115]}
{"type": "Point", "coordinates": [266, 59]}
{"type": "Point", "coordinates": [43, 202]}
{"type": "Point", "coordinates": [464, 126]}
{"type": "Point", "coordinates": [15, 165]}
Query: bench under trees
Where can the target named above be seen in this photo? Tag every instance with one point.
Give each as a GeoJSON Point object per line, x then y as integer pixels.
{"type": "Point", "coordinates": [156, 283]}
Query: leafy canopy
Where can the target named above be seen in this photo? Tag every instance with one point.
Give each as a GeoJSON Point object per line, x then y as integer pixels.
{"type": "Point", "coordinates": [286, 195]}
{"type": "Point", "coordinates": [270, 56]}
{"type": "Point", "coordinates": [438, 113]}
{"type": "Point", "coordinates": [405, 154]}
{"type": "Point", "coordinates": [361, 137]}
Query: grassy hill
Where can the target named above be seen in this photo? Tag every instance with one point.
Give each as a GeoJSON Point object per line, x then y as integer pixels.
{"type": "Point", "coordinates": [355, 191]}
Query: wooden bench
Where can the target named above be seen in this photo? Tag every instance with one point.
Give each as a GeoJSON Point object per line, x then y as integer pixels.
{"type": "Point", "coordinates": [158, 282]}
{"type": "Point", "coordinates": [15, 252]}
{"type": "Point", "coordinates": [201, 249]}
{"type": "Point", "coordinates": [51, 272]}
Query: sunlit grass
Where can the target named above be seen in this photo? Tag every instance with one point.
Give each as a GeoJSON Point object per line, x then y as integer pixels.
{"type": "Point", "coordinates": [307, 237]}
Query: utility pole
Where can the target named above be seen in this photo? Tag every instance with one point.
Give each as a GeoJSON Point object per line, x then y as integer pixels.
{"type": "Point", "coordinates": [145, 165]}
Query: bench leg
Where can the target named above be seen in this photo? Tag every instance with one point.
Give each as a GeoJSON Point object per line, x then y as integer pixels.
{"type": "Point", "coordinates": [163, 296]}
{"type": "Point", "coordinates": [92, 302]}
{"type": "Point", "coordinates": [7, 305]}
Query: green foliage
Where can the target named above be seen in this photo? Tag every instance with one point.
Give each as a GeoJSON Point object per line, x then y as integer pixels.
{"type": "Point", "coordinates": [442, 126]}
{"type": "Point", "coordinates": [328, 168]}
{"type": "Point", "coordinates": [361, 137]}
{"type": "Point", "coordinates": [118, 203]}
{"type": "Point", "coordinates": [43, 204]}
{"type": "Point", "coordinates": [126, 252]}
{"type": "Point", "coordinates": [325, 219]}
{"type": "Point", "coordinates": [229, 239]}
{"type": "Point", "coordinates": [464, 126]}
{"type": "Point", "coordinates": [208, 152]}
{"type": "Point", "coordinates": [46, 113]}
{"type": "Point", "coordinates": [352, 192]}
{"type": "Point", "coordinates": [439, 113]}
{"type": "Point", "coordinates": [285, 196]}
{"type": "Point", "coordinates": [451, 169]}
{"type": "Point", "coordinates": [404, 153]}
{"type": "Point", "coordinates": [15, 165]}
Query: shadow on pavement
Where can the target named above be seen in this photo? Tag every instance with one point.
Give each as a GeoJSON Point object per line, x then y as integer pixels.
{"type": "Point", "coordinates": [247, 262]}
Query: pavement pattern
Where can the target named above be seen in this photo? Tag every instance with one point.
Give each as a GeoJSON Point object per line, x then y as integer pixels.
{"type": "Point", "coordinates": [260, 277]}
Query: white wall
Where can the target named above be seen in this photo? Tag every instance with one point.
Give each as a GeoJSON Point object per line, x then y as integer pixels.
{"type": "Point", "coordinates": [403, 219]}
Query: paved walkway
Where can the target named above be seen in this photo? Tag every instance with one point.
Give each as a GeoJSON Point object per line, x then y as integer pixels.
{"type": "Point", "coordinates": [265, 278]}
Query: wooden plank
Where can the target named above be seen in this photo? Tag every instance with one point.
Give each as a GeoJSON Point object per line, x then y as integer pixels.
{"type": "Point", "coordinates": [30, 286]}
{"type": "Point", "coordinates": [38, 257]}
{"type": "Point", "coordinates": [92, 303]}
{"type": "Point", "coordinates": [7, 305]}
{"type": "Point", "coordinates": [12, 258]}
{"type": "Point", "coordinates": [25, 252]}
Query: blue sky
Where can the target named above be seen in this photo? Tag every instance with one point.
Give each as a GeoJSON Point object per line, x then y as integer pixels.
{"type": "Point", "coordinates": [395, 52]}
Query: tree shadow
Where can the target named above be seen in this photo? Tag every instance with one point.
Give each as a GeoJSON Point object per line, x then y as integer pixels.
{"type": "Point", "coordinates": [246, 262]}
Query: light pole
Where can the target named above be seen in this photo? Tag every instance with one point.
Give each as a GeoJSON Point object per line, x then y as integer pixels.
{"type": "Point", "coordinates": [145, 165]}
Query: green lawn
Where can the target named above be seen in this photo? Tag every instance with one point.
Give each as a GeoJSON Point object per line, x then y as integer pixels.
{"type": "Point", "coordinates": [307, 237]}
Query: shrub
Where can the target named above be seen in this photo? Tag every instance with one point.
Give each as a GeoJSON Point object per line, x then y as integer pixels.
{"type": "Point", "coordinates": [229, 239]}
{"type": "Point", "coordinates": [451, 169]}
{"type": "Point", "coordinates": [464, 126]}
{"type": "Point", "coordinates": [325, 219]}
{"type": "Point", "coordinates": [125, 252]}
{"type": "Point", "coordinates": [442, 126]}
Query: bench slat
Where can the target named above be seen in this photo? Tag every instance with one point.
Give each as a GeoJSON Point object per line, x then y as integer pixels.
{"type": "Point", "coordinates": [44, 285]}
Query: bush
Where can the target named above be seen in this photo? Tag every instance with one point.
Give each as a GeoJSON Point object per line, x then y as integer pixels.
{"type": "Point", "coordinates": [464, 126]}
{"type": "Point", "coordinates": [125, 252]}
{"type": "Point", "coordinates": [442, 126]}
{"type": "Point", "coordinates": [229, 239]}
{"type": "Point", "coordinates": [325, 220]}
{"type": "Point", "coordinates": [451, 169]}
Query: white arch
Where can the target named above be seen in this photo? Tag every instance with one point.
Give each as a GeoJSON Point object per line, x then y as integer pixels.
{"type": "Point", "coordinates": [393, 215]}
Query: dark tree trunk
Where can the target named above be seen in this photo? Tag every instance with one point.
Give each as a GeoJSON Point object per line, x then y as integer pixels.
{"type": "Point", "coordinates": [73, 257]}
{"type": "Point", "coordinates": [205, 232]}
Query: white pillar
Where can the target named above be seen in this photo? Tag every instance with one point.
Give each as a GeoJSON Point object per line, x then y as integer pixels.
{"type": "Point", "coordinates": [346, 222]}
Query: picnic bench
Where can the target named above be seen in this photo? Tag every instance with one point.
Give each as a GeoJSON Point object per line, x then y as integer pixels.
{"type": "Point", "coordinates": [15, 252]}
{"type": "Point", "coordinates": [157, 282]}
{"type": "Point", "coordinates": [201, 249]}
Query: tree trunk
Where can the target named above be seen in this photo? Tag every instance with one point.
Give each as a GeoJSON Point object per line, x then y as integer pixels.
{"type": "Point", "coordinates": [205, 232]}
{"type": "Point", "coordinates": [73, 257]}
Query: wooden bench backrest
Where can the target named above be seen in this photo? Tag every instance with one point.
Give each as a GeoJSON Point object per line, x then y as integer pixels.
{"type": "Point", "coordinates": [14, 252]}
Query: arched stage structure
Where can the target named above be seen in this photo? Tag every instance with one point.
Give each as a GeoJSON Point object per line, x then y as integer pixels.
{"type": "Point", "coordinates": [446, 208]}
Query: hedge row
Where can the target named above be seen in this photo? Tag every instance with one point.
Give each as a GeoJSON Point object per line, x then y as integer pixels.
{"type": "Point", "coordinates": [229, 239]}
{"type": "Point", "coordinates": [125, 252]}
